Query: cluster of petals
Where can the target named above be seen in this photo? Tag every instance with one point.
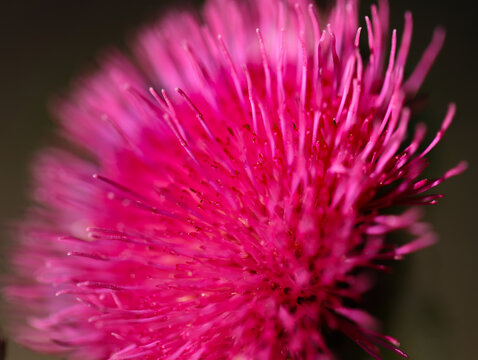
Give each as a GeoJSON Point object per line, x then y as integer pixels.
{"type": "Point", "coordinates": [226, 194]}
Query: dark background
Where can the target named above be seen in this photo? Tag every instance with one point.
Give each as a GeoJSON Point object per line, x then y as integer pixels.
{"type": "Point", "coordinates": [432, 296]}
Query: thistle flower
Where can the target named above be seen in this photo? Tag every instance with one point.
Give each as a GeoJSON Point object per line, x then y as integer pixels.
{"type": "Point", "coordinates": [226, 197]}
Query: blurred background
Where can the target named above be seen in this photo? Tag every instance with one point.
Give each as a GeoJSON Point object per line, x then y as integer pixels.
{"type": "Point", "coordinates": [429, 303]}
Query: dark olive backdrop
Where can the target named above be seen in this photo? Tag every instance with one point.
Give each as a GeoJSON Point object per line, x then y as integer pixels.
{"type": "Point", "coordinates": [432, 296]}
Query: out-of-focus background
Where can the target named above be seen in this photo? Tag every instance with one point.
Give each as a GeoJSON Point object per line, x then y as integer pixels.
{"type": "Point", "coordinates": [429, 303]}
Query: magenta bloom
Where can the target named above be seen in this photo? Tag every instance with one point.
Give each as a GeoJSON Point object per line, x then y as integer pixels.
{"type": "Point", "coordinates": [226, 197]}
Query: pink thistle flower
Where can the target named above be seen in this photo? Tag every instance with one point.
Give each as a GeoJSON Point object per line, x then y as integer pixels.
{"type": "Point", "coordinates": [235, 213]}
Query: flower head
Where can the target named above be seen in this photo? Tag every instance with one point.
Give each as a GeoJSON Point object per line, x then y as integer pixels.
{"type": "Point", "coordinates": [226, 197]}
